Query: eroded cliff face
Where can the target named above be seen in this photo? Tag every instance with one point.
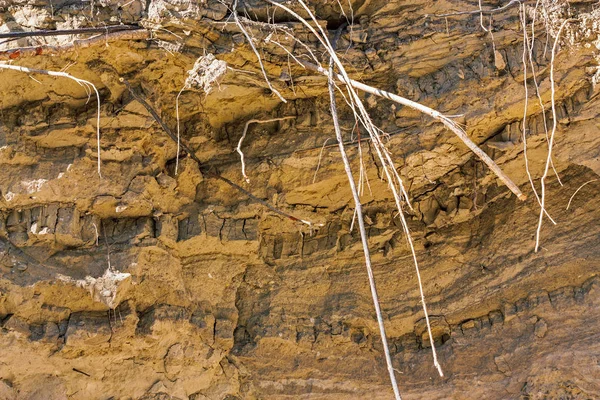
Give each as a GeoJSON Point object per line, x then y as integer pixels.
{"type": "Point", "coordinates": [210, 295]}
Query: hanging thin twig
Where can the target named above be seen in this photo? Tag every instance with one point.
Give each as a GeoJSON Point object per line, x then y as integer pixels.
{"type": "Point", "coordinates": [526, 105]}
{"type": "Point", "coordinates": [453, 126]}
{"type": "Point", "coordinates": [362, 115]}
{"type": "Point", "coordinates": [551, 141]}
{"type": "Point", "coordinates": [580, 187]}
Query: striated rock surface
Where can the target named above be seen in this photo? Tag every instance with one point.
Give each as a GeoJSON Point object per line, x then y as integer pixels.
{"type": "Point", "coordinates": [160, 281]}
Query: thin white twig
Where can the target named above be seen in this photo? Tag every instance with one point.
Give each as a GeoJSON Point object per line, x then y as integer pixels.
{"type": "Point", "coordinates": [551, 142]}
{"type": "Point", "coordinates": [343, 76]}
{"type": "Point", "coordinates": [384, 156]}
{"type": "Point", "coordinates": [481, 17]}
{"type": "Point", "coordinates": [319, 161]}
{"type": "Point", "coordinates": [537, 90]}
{"type": "Point", "coordinates": [239, 146]}
{"type": "Point", "coordinates": [82, 82]}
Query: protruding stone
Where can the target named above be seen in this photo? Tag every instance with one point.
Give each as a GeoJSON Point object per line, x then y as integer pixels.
{"type": "Point", "coordinates": [540, 328]}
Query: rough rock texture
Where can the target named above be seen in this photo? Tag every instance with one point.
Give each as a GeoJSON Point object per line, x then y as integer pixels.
{"type": "Point", "coordinates": [146, 284]}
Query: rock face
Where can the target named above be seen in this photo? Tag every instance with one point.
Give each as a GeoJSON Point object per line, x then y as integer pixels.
{"type": "Point", "coordinates": [161, 280]}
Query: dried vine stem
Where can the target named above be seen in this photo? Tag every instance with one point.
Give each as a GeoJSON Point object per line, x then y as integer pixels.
{"type": "Point", "coordinates": [363, 234]}
{"type": "Point", "coordinates": [239, 146]}
{"type": "Point", "coordinates": [22, 52]}
{"type": "Point", "coordinates": [537, 87]}
{"type": "Point", "coordinates": [577, 191]}
{"type": "Point", "coordinates": [344, 78]}
{"type": "Point", "coordinates": [85, 84]}
{"type": "Point", "coordinates": [201, 166]}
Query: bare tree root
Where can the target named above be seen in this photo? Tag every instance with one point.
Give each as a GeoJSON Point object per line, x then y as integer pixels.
{"type": "Point", "coordinates": [206, 171]}
{"type": "Point", "coordinates": [551, 141]}
{"type": "Point", "coordinates": [239, 146]}
{"type": "Point", "coordinates": [103, 39]}
{"type": "Point", "coordinates": [319, 161]}
{"type": "Point", "coordinates": [178, 131]}
{"type": "Point", "coordinates": [535, 82]}
{"type": "Point", "coordinates": [85, 84]}
{"type": "Point", "coordinates": [481, 17]}
{"type": "Point", "coordinates": [363, 234]}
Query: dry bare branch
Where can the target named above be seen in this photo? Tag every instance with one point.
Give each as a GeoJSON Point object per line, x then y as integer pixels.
{"type": "Point", "coordinates": [453, 126]}
{"type": "Point", "coordinates": [524, 125]}
{"type": "Point", "coordinates": [580, 187]}
{"type": "Point", "coordinates": [383, 154]}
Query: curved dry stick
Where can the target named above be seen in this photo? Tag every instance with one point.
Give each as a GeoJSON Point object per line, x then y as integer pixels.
{"type": "Point", "coordinates": [178, 133]}
{"type": "Point", "coordinates": [319, 162]}
{"type": "Point", "coordinates": [81, 82]}
{"type": "Point", "coordinates": [239, 146]}
{"type": "Point", "coordinates": [577, 191]}
{"type": "Point", "coordinates": [382, 153]}
{"type": "Point", "coordinates": [344, 78]}
{"type": "Point", "coordinates": [524, 125]}
{"type": "Point", "coordinates": [537, 89]}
